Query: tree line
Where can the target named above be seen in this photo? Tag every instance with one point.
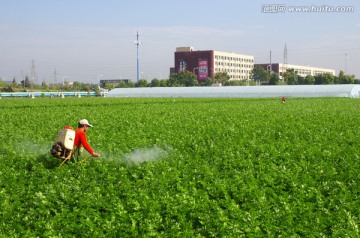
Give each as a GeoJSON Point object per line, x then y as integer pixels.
{"type": "Point", "coordinates": [290, 77]}
{"type": "Point", "coordinates": [258, 76]}
{"type": "Point", "coordinates": [27, 85]}
{"type": "Point", "coordinates": [188, 79]}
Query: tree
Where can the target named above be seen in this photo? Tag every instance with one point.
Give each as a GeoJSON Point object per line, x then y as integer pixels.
{"type": "Point", "coordinates": [236, 83]}
{"type": "Point", "coordinates": [309, 79]}
{"type": "Point", "coordinates": [130, 84]}
{"type": "Point", "coordinates": [174, 80]}
{"type": "Point", "coordinates": [142, 83]}
{"type": "Point", "coordinates": [326, 78]}
{"type": "Point", "coordinates": [329, 78]}
{"type": "Point", "coordinates": [208, 81]}
{"type": "Point", "coordinates": [67, 87]}
{"type": "Point", "coordinates": [274, 79]}
{"type": "Point", "coordinates": [76, 86]}
{"type": "Point", "coordinates": [221, 77]}
{"type": "Point", "coordinates": [350, 79]}
{"type": "Point", "coordinates": [290, 77]}
{"type": "Point", "coordinates": [44, 85]}
{"type": "Point", "coordinates": [14, 83]}
{"type": "Point", "coordinates": [109, 86]}
{"type": "Point", "coordinates": [85, 87]}
{"type": "Point", "coordinates": [27, 82]}
{"type": "Point", "coordinates": [164, 83]}
{"type": "Point", "coordinates": [155, 83]}
{"type": "Point", "coordinates": [345, 78]}
{"type": "Point", "coordinates": [122, 84]}
{"type": "Point", "coordinates": [3, 84]}
{"type": "Point", "coordinates": [183, 78]}
{"type": "Point", "coordinates": [260, 74]}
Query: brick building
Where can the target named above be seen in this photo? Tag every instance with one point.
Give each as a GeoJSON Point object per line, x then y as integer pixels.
{"type": "Point", "coordinates": [207, 63]}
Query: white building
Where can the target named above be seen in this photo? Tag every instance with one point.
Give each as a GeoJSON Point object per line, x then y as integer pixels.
{"type": "Point", "coordinates": [237, 66]}
{"type": "Point", "coordinates": [303, 71]}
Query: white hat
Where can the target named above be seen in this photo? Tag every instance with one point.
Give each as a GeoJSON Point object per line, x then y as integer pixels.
{"type": "Point", "coordinates": [85, 122]}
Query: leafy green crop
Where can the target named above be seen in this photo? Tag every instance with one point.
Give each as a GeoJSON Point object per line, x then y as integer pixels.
{"type": "Point", "coordinates": [182, 168]}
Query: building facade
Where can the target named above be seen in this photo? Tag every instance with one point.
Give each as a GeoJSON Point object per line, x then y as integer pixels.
{"type": "Point", "coordinates": [207, 63]}
{"type": "Point", "coordinates": [303, 71]}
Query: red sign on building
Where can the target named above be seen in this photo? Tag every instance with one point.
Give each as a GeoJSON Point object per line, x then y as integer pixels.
{"type": "Point", "coordinates": [203, 69]}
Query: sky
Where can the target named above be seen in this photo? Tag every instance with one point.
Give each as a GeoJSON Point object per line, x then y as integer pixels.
{"type": "Point", "coordinates": [88, 40]}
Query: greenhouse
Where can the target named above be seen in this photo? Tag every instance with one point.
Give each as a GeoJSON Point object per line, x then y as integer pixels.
{"type": "Point", "coordinates": [345, 90]}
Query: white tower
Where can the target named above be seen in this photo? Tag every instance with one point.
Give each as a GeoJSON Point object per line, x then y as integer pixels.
{"type": "Point", "coordinates": [137, 43]}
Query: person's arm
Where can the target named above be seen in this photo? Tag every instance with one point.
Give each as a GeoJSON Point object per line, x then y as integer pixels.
{"type": "Point", "coordinates": [86, 144]}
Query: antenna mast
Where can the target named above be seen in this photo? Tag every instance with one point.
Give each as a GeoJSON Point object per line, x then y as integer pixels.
{"type": "Point", "coordinates": [137, 43]}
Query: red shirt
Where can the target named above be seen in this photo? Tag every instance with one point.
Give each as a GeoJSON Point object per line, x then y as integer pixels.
{"type": "Point", "coordinates": [80, 140]}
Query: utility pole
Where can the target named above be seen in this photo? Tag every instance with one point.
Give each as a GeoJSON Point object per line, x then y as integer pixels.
{"type": "Point", "coordinates": [137, 43]}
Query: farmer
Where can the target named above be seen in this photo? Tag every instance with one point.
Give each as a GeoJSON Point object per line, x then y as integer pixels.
{"type": "Point", "coordinates": [80, 139]}
{"type": "Point", "coordinates": [283, 100]}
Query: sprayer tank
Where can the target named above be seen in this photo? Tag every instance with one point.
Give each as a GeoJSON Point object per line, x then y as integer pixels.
{"type": "Point", "coordinates": [66, 137]}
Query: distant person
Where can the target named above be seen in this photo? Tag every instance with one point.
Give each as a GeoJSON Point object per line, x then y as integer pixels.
{"type": "Point", "coordinates": [80, 141]}
{"type": "Point", "coordinates": [283, 100]}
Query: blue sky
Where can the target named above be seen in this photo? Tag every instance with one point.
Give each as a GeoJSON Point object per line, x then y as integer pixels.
{"type": "Point", "coordinates": [86, 40]}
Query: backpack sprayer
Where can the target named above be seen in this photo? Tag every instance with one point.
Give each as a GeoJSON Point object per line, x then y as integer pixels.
{"type": "Point", "coordinates": [64, 144]}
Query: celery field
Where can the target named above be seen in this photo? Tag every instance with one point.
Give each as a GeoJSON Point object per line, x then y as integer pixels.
{"type": "Point", "coordinates": [182, 168]}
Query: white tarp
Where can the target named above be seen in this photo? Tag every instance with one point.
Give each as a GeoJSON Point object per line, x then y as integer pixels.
{"type": "Point", "coordinates": [344, 90]}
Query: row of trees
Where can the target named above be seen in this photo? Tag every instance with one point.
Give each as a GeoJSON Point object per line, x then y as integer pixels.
{"type": "Point", "coordinates": [184, 79]}
{"type": "Point", "coordinates": [188, 79]}
{"type": "Point", "coordinates": [259, 76]}
{"type": "Point", "coordinates": [26, 85]}
{"type": "Point", "coordinates": [290, 77]}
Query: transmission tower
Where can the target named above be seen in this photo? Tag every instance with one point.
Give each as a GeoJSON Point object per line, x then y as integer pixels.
{"type": "Point", "coordinates": [55, 78]}
{"type": "Point", "coordinates": [33, 73]}
{"type": "Point", "coordinates": [285, 58]}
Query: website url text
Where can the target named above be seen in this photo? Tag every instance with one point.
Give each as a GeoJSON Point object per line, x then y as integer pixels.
{"type": "Point", "coordinates": [283, 8]}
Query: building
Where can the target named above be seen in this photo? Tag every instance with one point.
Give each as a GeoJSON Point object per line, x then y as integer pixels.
{"type": "Point", "coordinates": [280, 68]}
{"type": "Point", "coordinates": [209, 62]}
{"type": "Point", "coordinates": [113, 82]}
